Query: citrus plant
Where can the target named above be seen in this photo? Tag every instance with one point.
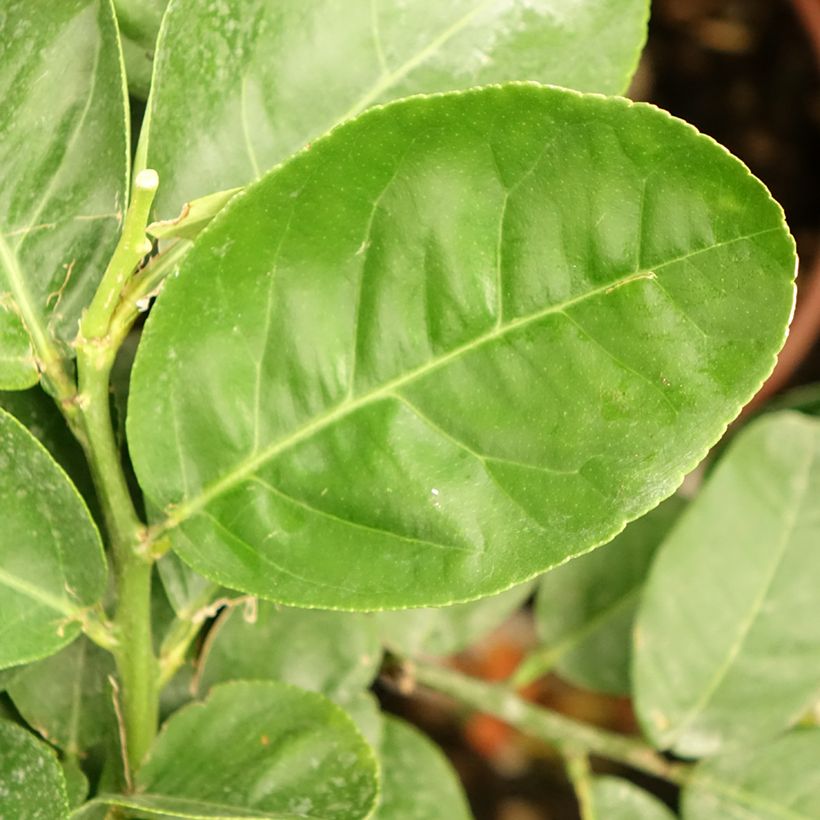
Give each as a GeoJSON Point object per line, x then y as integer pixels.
{"type": "Point", "coordinates": [429, 315]}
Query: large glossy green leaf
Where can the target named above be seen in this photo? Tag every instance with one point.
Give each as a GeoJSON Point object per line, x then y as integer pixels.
{"type": "Point", "coordinates": [333, 653]}
{"type": "Point", "coordinates": [258, 749]}
{"type": "Point", "coordinates": [727, 648]}
{"type": "Point", "coordinates": [456, 342]}
{"type": "Point", "coordinates": [616, 799]}
{"type": "Point", "coordinates": [51, 558]}
{"type": "Point", "coordinates": [585, 609]}
{"type": "Point", "coordinates": [281, 75]}
{"type": "Point", "coordinates": [32, 786]}
{"type": "Point", "coordinates": [417, 780]}
{"type": "Point", "coordinates": [778, 781]}
{"type": "Point", "coordinates": [63, 164]}
{"type": "Point", "coordinates": [444, 630]}
{"type": "Point", "coordinates": [67, 698]}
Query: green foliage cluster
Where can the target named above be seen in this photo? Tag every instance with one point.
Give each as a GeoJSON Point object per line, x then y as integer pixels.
{"type": "Point", "coordinates": [433, 316]}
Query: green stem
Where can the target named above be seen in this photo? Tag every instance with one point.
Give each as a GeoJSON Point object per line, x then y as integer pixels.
{"type": "Point", "coordinates": [136, 664]}
{"type": "Point", "coordinates": [563, 733]}
{"type": "Point", "coordinates": [130, 250]}
{"type": "Point", "coordinates": [96, 349]}
{"type": "Point", "coordinates": [125, 530]}
{"type": "Point", "coordinates": [142, 286]}
{"type": "Point", "coordinates": [580, 775]}
{"type": "Point", "coordinates": [134, 653]}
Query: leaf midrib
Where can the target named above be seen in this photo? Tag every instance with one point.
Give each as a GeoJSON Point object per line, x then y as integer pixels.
{"type": "Point", "coordinates": [138, 802]}
{"type": "Point", "coordinates": [246, 467]}
{"type": "Point", "coordinates": [36, 594]}
{"type": "Point", "coordinates": [32, 322]}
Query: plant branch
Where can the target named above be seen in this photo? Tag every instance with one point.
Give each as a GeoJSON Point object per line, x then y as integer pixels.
{"type": "Point", "coordinates": [96, 351]}
{"type": "Point", "coordinates": [136, 663]}
{"type": "Point", "coordinates": [142, 287]}
{"type": "Point", "coordinates": [134, 653]}
{"type": "Point", "coordinates": [130, 250]}
{"type": "Point", "coordinates": [566, 735]}
{"type": "Point", "coordinates": [125, 530]}
{"type": "Point", "coordinates": [580, 776]}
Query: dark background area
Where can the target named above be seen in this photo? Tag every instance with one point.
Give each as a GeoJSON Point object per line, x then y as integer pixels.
{"type": "Point", "coordinates": [746, 73]}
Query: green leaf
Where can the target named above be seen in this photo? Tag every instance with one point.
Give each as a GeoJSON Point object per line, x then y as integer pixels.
{"type": "Point", "coordinates": [138, 62]}
{"type": "Point", "coordinates": [778, 781]}
{"type": "Point", "coordinates": [18, 365]}
{"type": "Point", "coordinates": [585, 609]}
{"type": "Point", "coordinates": [363, 708]}
{"type": "Point", "coordinates": [38, 413]}
{"type": "Point", "coordinates": [8, 676]}
{"type": "Point", "coordinates": [616, 799]}
{"type": "Point", "coordinates": [32, 786]}
{"type": "Point", "coordinates": [280, 76]}
{"type": "Point", "coordinates": [444, 630]}
{"type": "Point", "coordinates": [76, 782]}
{"type": "Point", "coordinates": [417, 780]}
{"type": "Point", "coordinates": [802, 399]}
{"type": "Point", "coordinates": [258, 749]}
{"type": "Point", "coordinates": [51, 559]}
{"type": "Point", "coordinates": [193, 218]}
{"type": "Point", "coordinates": [186, 590]}
{"type": "Point", "coordinates": [67, 698]}
{"type": "Point", "coordinates": [178, 691]}
{"type": "Point", "coordinates": [139, 22]}
{"type": "Point", "coordinates": [725, 653]}
{"type": "Point", "coordinates": [333, 653]}
{"type": "Point", "coordinates": [458, 341]}
{"type": "Point", "coordinates": [64, 113]}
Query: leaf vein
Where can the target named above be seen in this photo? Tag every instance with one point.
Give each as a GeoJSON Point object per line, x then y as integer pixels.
{"type": "Point", "coordinates": [357, 524]}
